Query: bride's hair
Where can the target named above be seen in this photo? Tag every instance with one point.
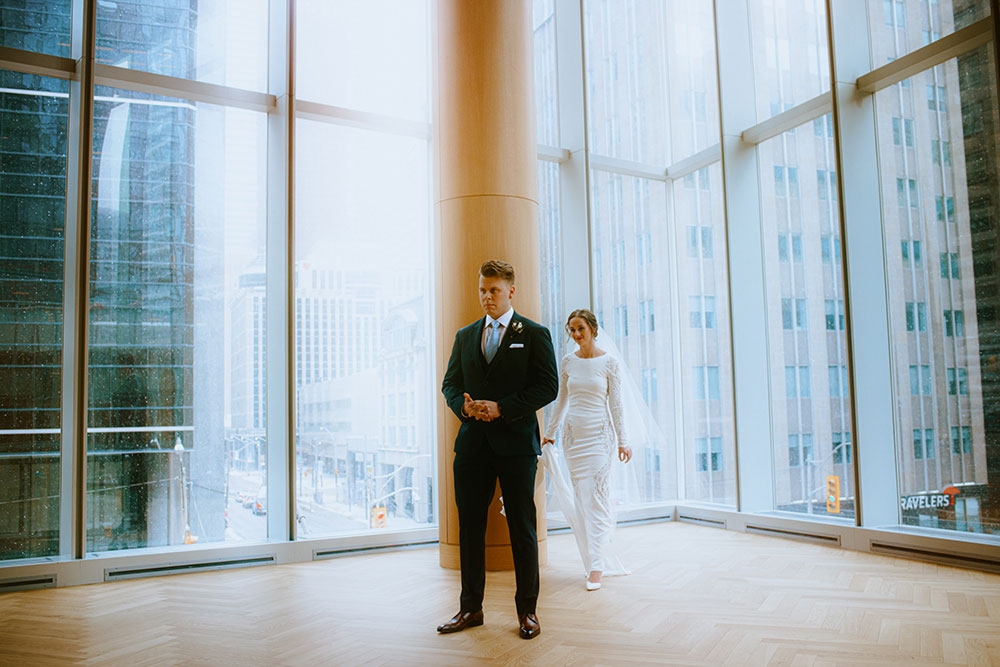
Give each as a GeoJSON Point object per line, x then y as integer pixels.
{"type": "Point", "coordinates": [586, 316]}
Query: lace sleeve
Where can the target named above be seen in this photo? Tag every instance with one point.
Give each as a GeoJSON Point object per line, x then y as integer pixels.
{"type": "Point", "coordinates": [553, 424]}
{"type": "Point", "coordinates": [615, 400]}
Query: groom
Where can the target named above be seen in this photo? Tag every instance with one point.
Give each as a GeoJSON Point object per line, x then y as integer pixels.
{"type": "Point", "coordinates": [501, 371]}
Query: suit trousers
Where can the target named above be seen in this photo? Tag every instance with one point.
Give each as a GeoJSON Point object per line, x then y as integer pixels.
{"type": "Point", "coordinates": [476, 472]}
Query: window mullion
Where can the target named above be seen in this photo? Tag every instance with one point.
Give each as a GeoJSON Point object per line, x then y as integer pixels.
{"type": "Point", "coordinates": [280, 387]}
{"type": "Point", "coordinates": [76, 286]}
{"type": "Point", "coordinates": [864, 265]}
{"type": "Point", "coordinates": [740, 177]}
{"type": "Point", "coordinates": [574, 173]}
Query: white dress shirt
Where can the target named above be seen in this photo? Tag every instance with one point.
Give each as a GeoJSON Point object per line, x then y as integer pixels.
{"type": "Point", "coordinates": [504, 321]}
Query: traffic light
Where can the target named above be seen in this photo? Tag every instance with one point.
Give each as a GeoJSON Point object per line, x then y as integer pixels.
{"type": "Point", "coordinates": [833, 494]}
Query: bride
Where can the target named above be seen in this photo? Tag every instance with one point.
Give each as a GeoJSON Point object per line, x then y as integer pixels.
{"type": "Point", "coordinates": [590, 403]}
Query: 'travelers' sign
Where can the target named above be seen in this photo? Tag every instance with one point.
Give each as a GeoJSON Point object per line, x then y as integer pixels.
{"type": "Point", "coordinates": [944, 499]}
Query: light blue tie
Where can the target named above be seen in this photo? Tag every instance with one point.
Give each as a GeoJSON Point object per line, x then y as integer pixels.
{"type": "Point", "coordinates": [492, 341]}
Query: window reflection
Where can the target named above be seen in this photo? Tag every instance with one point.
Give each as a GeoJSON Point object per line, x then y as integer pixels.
{"type": "Point", "coordinates": [178, 220]}
{"type": "Point", "coordinates": [33, 115]}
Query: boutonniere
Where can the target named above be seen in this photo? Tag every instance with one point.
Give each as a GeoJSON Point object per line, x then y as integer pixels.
{"type": "Point", "coordinates": [517, 327]}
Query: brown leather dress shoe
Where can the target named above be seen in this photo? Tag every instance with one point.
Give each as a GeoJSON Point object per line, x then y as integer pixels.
{"type": "Point", "coordinates": [529, 626]}
{"type": "Point", "coordinates": [461, 621]}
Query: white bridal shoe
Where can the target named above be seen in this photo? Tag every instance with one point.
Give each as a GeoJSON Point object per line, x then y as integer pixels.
{"type": "Point", "coordinates": [593, 586]}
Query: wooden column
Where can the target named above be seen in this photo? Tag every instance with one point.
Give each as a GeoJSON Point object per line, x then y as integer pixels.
{"type": "Point", "coordinates": [486, 205]}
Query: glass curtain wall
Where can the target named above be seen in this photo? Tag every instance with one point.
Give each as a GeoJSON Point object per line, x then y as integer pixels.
{"type": "Point", "coordinates": [176, 349]}
{"type": "Point", "coordinates": [365, 379]}
{"type": "Point", "coordinates": [547, 127]}
{"type": "Point", "coordinates": [811, 404]}
{"type": "Point", "coordinates": [937, 136]}
{"type": "Point", "coordinates": [700, 266]}
{"type": "Point", "coordinates": [901, 26]}
{"type": "Point", "coordinates": [33, 117]}
{"type": "Point", "coordinates": [175, 447]}
{"type": "Point", "coordinates": [41, 27]}
{"type": "Point", "coordinates": [658, 258]}
{"type": "Point", "coordinates": [630, 254]}
{"type": "Point", "coordinates": [33, 125]}
{"type": "Point", "coordinates": [630, 259]}
{"type": "Point", "coordinates": [705, 330]}
{"type": "Point", "coordinates": [550, 227]}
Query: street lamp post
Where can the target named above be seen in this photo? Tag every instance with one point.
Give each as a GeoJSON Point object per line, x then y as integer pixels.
{"type": "Point", "coordinates": [415, 492]}
{"type": "Point", "coordinates": [179, 450]}
{"type": "Point", "coordinates": [317, 496]}
{"type": "Point", "coordinates": [396, 471]}
{"type": "Point", "coordinates": [369, 485]}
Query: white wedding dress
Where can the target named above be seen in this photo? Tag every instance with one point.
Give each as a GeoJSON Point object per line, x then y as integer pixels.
{"type": "Point", "coordinates": [589, 410]}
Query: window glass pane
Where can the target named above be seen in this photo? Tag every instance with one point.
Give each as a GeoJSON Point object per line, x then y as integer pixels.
{"type": "Point", "coordinates": [546, 84]}
{"type": "Point", "coordinates": [371, 56]}
{"type": "Point", "coordinates": [691, 71]}
{"type": "Point", "coordinates": [215, 42]}
{"type": "Point", "coordinates": [694, 305]}
{"type": "Point", "coordinates": [365, 441]}
{"type": "Point", "coordinates": [625, 207]}
{"type": "Point", "coordinates": [33, 116]}
{"type": "Point", "coordinates": [704, 279]}
{"type": "Point", "coordinates": [957, 384]}
{"type": "Point", "coordinates": [550, 249]}
{"type": "Point", "coordinates": [791, 59]}
{"type": "Point", "coordinates": [43, 27]}
{"type": "Point", "coordinates": [625, 78]}
{"type": "Point", "coordinates": [813, 411]}
{"type": "Point", "coordinates": [898, 27]}
{"type": "Point", "coordinates": [554, 311]}
{"type": "Point", "coordinates": [177, 262]}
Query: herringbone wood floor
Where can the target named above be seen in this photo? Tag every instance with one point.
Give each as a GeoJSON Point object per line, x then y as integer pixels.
{"type": "Point", "coordinates": [697, 596]}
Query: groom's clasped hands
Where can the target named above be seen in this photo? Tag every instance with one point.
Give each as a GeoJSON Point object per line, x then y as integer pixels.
{"type": "Point", "coordinates": [484, 411]}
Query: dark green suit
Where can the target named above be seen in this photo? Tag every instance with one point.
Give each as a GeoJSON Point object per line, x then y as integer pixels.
{"type": "Point", "coordinates": [522, 378]}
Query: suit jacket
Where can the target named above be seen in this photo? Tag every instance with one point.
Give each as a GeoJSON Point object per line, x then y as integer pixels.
{"type": "Point", "coordinates": [522, 379]}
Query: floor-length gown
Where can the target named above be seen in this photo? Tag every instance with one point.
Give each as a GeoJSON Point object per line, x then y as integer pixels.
{"type": "Point", "coordinates": [589, 410]}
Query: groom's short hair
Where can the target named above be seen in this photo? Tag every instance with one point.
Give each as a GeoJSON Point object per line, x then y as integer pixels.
{"type": "Point", "coordinates": [497, 268]}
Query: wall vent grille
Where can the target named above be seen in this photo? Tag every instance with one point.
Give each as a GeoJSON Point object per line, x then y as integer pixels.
{"type": "Point", "coordinates": [321, 554]}
{"type": "Point", "coordinates": [27, 583]}
{"type": "Point", "coordinates": [802, 535]}
{"type": "Point", "coordinates": [702, 521]}
{"type": "Point", "coordinates": [135, 572]}
{"type": "Point", "coordinates": [942, 557]}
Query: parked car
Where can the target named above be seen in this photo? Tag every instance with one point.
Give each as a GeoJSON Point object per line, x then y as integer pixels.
{"type": "Point", "coordinates": [259, 506]}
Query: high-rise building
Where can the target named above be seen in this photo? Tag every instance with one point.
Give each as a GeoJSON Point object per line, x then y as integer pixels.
{"type": "Point", "coordinates": [33, 116]}
{"type": "Point", "coordinates": [364, 429]}
{"type": "Point", "coordinates": [926, 124]}
{"type": "Point", "coordinates": [155, 463]}
{"type": "Point", "coordinates": [146, 315]}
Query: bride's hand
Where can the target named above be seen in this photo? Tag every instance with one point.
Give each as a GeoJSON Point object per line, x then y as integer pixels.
{"type": "Point", "coordinates": [624, 453]}
{"type": "Point", "coordinates": [547, 441]}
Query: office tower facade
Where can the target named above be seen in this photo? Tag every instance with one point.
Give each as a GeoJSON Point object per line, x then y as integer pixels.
{"type": "Point", "coordinates": [33, 116]}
